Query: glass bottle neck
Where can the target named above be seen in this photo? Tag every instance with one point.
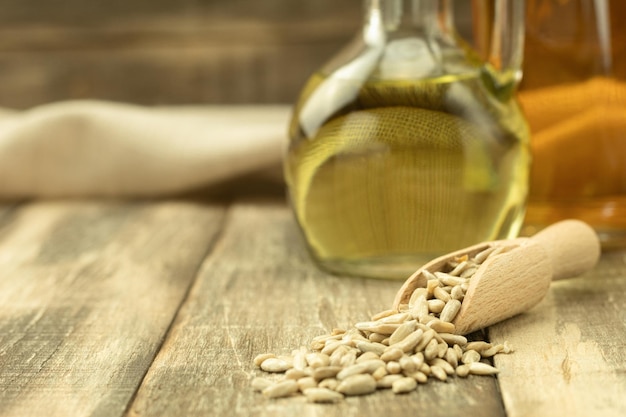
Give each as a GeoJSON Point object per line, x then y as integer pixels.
{"type": "Point", "coordinates": [396, 18]}
{"type": "Point", "coordinates": [415, 37]}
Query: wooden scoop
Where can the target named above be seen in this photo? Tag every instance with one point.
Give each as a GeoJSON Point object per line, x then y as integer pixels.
{"type": "Point", "coordinates": [517, 278]}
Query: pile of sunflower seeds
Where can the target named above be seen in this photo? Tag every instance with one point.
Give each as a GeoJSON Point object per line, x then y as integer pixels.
{"type": "Point", "coordinates": [396, 349]}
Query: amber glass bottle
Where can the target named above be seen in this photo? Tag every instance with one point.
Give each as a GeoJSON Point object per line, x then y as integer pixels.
{"type": "Point", "coordinates": [574, 96]}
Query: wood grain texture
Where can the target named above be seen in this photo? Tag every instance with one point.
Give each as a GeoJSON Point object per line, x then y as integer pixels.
{"type": "Point", "coordinates": [570, 349]}
{"type": "Point", "coordinates": [87, 293]}
{"type": "Point", "coordinates": [163, 52]}
{"type": "Point", "coordinates": [158, 308]}
{"type": "Point", "coordinates": [171, 52]}
{"type": "Point", "coordinates": [510, 283]}
{"type": "Point", "coordinates": [258, 292]}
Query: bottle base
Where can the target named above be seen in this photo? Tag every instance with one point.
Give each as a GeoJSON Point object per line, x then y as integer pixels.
{"type": "Point", "coordinates": [392, 268]}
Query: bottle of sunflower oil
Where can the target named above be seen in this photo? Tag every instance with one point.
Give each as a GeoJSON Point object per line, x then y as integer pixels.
{"type": "Point", "coordinates": [410, 144]}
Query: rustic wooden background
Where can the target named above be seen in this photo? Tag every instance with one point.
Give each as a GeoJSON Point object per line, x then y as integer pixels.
{"type": "Point", "coordinates": [165, 51]}
{"type": "Point", "coordinates": [169, 52]}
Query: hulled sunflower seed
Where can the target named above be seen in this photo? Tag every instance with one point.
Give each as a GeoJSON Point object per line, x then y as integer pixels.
{"type": "Point", "coordinates": [457, 293]}
{"type": "Point", "coordinates": [294, 373]}
{"type": "Point", "coordinates": [452, 357]}
{"type": "Point", "coordinates": [420, 377]}
{"type": "Point", "coordinates": [450, 311]}
{"type": "Point", "coordinates": [418, 359]}
{"type": "Point", "coordinates": [469, 272]}
{"type": "Point", "coordinates": [349, 358]}
{"type": "Point", "coordinates": [404, 385]}
{"type": "Point", "coordinates": [430, 286]}
{"type": "Point", "coordinates": [431, 350]}
{"type": "Point", "coordinates": [357, 385]}
{"type": "Point", "coordinates": [366, 356]}
{"type": "Point", "coordinates": [259, 359]}
{"type": "Point", "coordinates": [393, 367]}
{"type": "Point", "coordinates": [377, 326]}
{"type": "Point", "coordinates": [322, 395]}
{"type": "Point", "coordinates": [352, 337]}
{"type": "Point", "coordinates": [402, 332]}
{"type": "Point", "coordinates": [299, 360]}
{"type": "Point", "coordinates": [281, 389]}
{"type": "Point", "coordinates": [480, 368]}
{"type": "Point", "coordinates": [377, 348]}
{"type": "Point", "coordinates": [259, 384]}
{"type": "Point", "coordinates": [392, 354]}
{"type": "Point", "coordinates": [442, 348]}
{"type": "Point", "coordinates": [388, 380]}
{"type": "Point", "coordinates": [330, 383]}
{"type": "Point", "coordinates": [397, 318]}
{"type": "Point", "coordinates": [324, 372]}
{"type": "Point", "coordinates": [441, 294]}
{"type": "Point", "coordinates": [419, 310]}
{"type": "Point", "coordinates": [481, 256]}
{"type": "Point", "coordinates": [425, 340]}
{"type": "Point", "coordinates": [331, 346]}
{"type": "Point", "coordinates": [404, 347]}
{"type": "Point", "coordinates": [306, 382]}
{"type": "Point", "coordinates": [380, 373]}
{"type": "Point", "coordinates": [315, 359]}
{"type": "Point", "coordinates": [449, 369]}
{"type": "Point", "coordinates": [360, 368]}
{"type": "Point", "coordinates": [493, 350]}
{"type": "Point", "coordinates": [407, 364]}
{"type": "Point", "coordinates": [275, 365]}
{"type": "Point", "coordinates": [383, 314]}
{"type": "Point", "coordinates": [335, 358]}
{"type": "Point", "coordinates": [435, 305]}
{"type": "Point", "coordinates": [462, 371]}
{"type": "Point", "coordinates": [459, 268]}
{"type": "Point", "coordinates": [447, 279]}
{"type": "Point", "coordinates": [441, 326]}
{"type": "Point", "coordinates": [453, 339]}
{"type": "Point", "coordinates": [459, 351]}
{"type": "Point", "coordinates": [478, 346]}
{"type": "Point", "coordinates": [324, 337]}
{"type": "Point", "coordinates": [377, 337]}
{"type": "Point", "coordinates": [438, 373]}
{"type": "Point", "coordinates": [417, 294]}
{"type": "Point", "coordinates": [470, 356]}
{"type": "Point", "coordinates": [408, 343]}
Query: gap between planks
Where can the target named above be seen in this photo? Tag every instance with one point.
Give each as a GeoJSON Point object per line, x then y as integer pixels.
{"type": "Point", "coordinates": [210, 247]}
{"type": "Point", "coordinates": [89, 289]}
{"type": "Point", "coordinates": [259, 291]}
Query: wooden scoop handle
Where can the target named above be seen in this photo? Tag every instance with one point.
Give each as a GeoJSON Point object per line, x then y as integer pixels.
{"type": "Point", "coordinates": [572, 246]}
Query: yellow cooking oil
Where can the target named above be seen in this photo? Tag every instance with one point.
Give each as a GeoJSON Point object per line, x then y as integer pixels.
{"type": "Point", "coordinates": [384, 175]}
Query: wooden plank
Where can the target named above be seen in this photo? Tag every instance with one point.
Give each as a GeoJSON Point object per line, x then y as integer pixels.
{"type": "Point", "coordinates": [174, 32]}
{"type": "Point", "coordinates": [77, 13]}
{"type": "Point", "coordinates": [158, 52]}
{"type": "Point", "coordinates": [571, 348]}
{"type": "Point", "coordinates": [6, 208]}
{"type": "Point", "coordinates": [259, 292]}
{"type": "Point", "coordinates": [170, 75]}
{"type": "Point", "coordinates": [163, 52]}
{"type": "Point", "coordinates": [87, 293]}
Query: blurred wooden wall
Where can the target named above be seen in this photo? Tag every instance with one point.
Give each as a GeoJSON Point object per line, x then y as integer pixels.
{"type": "Point", "coordinates": [171, 51]}
{"type": "Point", "coordinates": [167, 52]}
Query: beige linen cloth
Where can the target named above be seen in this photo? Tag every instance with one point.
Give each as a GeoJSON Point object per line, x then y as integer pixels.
{"type": "Point", "coordinates": [108, 149]}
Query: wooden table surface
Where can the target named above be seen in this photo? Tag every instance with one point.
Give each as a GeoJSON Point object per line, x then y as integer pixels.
{"type": "Point", "coordinates": [151, 308]}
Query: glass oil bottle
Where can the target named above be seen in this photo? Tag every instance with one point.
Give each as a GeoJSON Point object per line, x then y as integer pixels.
{"type": "Point", "coordinates": [410, 143]}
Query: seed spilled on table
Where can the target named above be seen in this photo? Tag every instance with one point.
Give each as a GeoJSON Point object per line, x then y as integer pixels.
{"type": "Point", "coordinates": [396, 349]}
